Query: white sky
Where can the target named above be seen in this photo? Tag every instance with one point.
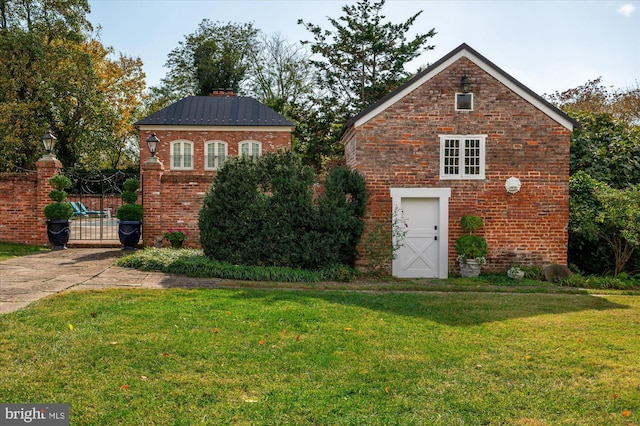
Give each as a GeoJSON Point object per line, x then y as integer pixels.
{"type": "Point", "coordinates": [547, 45]}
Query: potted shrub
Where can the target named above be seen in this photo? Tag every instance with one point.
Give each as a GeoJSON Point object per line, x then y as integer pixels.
{"type": "Point", "coordinates": [471, 249]}
{"type": "Point", "coordinates": [176, 237]}
{"type": "Point", "coordinates": [129, 216]}
{"type": "Point", "coordinates": [58, 213]}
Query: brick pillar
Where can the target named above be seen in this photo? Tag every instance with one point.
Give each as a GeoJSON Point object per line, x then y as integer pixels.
{"type": "Point", "coordinates": [47, 167]}
{"type": "Point", "coordinates": [152, 171]}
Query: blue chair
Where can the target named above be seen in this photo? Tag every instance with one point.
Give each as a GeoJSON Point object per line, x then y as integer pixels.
{"type": "Point", "coordinates": [76, 209]}
{"type": "Point", "coordinates": [86, 211]}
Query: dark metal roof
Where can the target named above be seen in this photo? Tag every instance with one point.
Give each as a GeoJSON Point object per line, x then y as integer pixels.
{"type": "Point", "coordinates": [436, 65]}
{"type": "Point", "coordinates": [216, 111]}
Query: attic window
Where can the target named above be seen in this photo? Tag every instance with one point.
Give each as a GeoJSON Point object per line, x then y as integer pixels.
{"type": "Point", "coordinates": [464, 101]}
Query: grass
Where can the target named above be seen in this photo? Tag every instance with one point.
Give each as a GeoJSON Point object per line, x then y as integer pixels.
{"type": "Point", "coordinates": [9, 250]}
{"type": "Point", "coordinates": [222, 356]}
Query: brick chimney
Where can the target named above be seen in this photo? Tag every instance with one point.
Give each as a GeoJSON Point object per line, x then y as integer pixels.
{"type": "Point", "coordinates": [223, 92]}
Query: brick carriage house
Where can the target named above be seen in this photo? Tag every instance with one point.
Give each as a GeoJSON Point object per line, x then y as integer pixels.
{"type": "Point", "coordinates": [463, 137]}
{"type": "Point", "coordinates": [196, 136]}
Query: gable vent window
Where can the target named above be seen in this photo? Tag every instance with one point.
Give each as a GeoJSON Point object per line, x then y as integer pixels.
{"type": "Point", "coordinates": [464, 101]}
{"type": "Point", "coordinates": [462, 157]}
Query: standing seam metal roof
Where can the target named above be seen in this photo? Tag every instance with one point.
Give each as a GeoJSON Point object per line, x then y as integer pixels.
{"type": "Point", "coordinates": [216, 111]}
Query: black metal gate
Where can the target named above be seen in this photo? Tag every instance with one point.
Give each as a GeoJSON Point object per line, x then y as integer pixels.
{"type": "Point", "coordinates": [95, 198]}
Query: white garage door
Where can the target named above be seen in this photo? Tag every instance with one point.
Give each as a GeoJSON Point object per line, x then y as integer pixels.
{"type": "Point", "coordinates": [419, 255]}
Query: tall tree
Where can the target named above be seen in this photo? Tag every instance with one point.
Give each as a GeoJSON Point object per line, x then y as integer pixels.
{"type": "Point", "coordinates": [593, 97]}
{"type": "Point", "coordinates": [114, 143]}
{"type": "Point", "coordinates": [280, 73]}
{"type": "Point", "coordinates": [215, 56]}
{"type": "Point", "coordinates": [605, 166]}
{"type": "Point", "coordinates": [359, 61]}
{"type": "Point", "coordinates": [56, 19]}
{"type": "Point", "coordinates": [53, 76]}
{"type": "Point", "coordinates": [363, 57]}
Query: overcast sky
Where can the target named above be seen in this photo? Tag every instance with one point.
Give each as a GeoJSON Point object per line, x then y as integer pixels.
{"type": "Point", "coordinates": [548, 46]}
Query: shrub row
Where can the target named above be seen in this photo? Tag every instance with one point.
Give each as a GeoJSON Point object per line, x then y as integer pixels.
{"type": "Point", "coordinates": [194, 263]}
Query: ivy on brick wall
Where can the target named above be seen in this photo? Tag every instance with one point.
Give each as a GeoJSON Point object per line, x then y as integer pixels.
{"type": "Point", "coordinates": [263, 212]}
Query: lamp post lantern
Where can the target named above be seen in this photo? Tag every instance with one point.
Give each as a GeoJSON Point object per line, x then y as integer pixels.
{"type": "Point", "coordinates": [49, 141]}
{"type": "Point", "coordinates": [152, 143]}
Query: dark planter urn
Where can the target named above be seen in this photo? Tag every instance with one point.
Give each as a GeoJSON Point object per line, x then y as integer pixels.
{"type": "Point", "coordinates": [129, 233]}
{"type": "Point", "coordinates": [58, 232]}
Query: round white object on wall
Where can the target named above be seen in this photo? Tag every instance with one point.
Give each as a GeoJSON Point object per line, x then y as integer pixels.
{"type": "Point", "coordinates": [513, 185]}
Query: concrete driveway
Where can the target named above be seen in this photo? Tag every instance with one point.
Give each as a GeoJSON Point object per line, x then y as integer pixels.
{"type": "Point", "coordinates": [26, 279]}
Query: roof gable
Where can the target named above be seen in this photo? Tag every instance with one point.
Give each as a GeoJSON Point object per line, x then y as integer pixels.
{"type": "Point", "coordinates": [490, 68]}
{"type": "Point", "coordinates": [216, 111]}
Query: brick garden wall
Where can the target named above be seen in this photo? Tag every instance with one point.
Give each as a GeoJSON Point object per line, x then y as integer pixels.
{"type": "Point", "coordinates": [401, 148]}
{"type": "Point", "coordinates": [172, 198]}
{"type": "Point", "coordinates": [23, 197]}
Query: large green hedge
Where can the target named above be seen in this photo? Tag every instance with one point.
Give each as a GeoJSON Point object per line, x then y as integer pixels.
{"type": "Point", "coordinates": [262, 212]}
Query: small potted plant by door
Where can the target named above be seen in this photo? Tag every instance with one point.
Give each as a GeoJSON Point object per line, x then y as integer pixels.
{"type": "Point", "coordinates": [176, 237]}
{"type": "Point", "coordinates": [129, 216]}
{"type": "Point", "coordinates": [58, 213]}
{"type": "Point", "coordinates": [471, 249]}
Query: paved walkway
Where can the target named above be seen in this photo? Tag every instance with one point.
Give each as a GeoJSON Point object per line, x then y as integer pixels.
{"type": "Point", "coordinates": [26, 279]}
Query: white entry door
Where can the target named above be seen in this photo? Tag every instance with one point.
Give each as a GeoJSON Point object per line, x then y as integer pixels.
{"type": "Point", "coordinates": [419, 255]}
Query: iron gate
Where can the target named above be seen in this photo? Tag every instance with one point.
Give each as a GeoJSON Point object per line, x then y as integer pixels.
{"type": "Point", "coordinates": [95, 198]}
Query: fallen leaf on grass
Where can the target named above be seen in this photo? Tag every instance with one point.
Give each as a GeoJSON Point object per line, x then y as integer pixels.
{"type": "Point", "coordinates": [165, 354]}
{"type": "Point", "coordinates": [70, 326]}
{"type": "Point", "coordinates": [124, 387]}
{"type": "Point", "coordinates": [297, 337]}
{"type": "Point", "coordinates": [348, 329]}
{"type": "Point", "coordinates": [386, 389]}
{"type": "Point", "coordinates": [626, 413]}
{"type": "Point", "coordinates": [143, 377]}
{"type": "Point", "coordinates": [261, 342]}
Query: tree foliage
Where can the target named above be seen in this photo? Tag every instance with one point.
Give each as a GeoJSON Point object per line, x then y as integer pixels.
{"type": "Point", "coordinates": [606, 149]}
{"type": "Point", "coordinates": [360, 60]}
{"type": "Point", "coordinates": [261, 212]}
{"type": "Point", "coordinates": [54, 77]}
{"type": "Point", "coordinates": [601, 213]}
{"type": "Point", "coordinates": [363, 57]}
{"type": "Point", "coordinates": [280, 73]}
{"type": "Point", "coordinates": [215, 56]}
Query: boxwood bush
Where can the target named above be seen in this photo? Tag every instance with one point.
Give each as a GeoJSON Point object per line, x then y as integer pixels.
{"type": "Point", "coordinates": [262, 212]}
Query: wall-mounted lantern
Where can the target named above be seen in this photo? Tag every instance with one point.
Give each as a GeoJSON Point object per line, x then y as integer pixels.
{"type": "Point", "coordinates": [465, 84]}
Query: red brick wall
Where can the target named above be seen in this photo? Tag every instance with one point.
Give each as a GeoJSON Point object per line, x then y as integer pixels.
{"type": "Point", "coordinates": [23, 197]}
{"type": "Point", "coordinates": [172, 198]}
{"type": "Point", "coordinates": [401, 148]}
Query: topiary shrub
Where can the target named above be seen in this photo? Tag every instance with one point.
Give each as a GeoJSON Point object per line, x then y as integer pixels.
{"type": "Point", "coordinates": [59, 209]}
{"type": "Point", "coordinates": [471, 246]}
{"type": "Point", "coordinates": [261, 212]}
{"type": "Point", "coordinates": [130, 211]}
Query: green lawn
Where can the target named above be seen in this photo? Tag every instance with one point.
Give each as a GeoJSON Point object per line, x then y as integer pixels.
{"type": "Point", "coordinates": [326, 357]}
{"type": "Point", "coordinates": [9, 250]}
